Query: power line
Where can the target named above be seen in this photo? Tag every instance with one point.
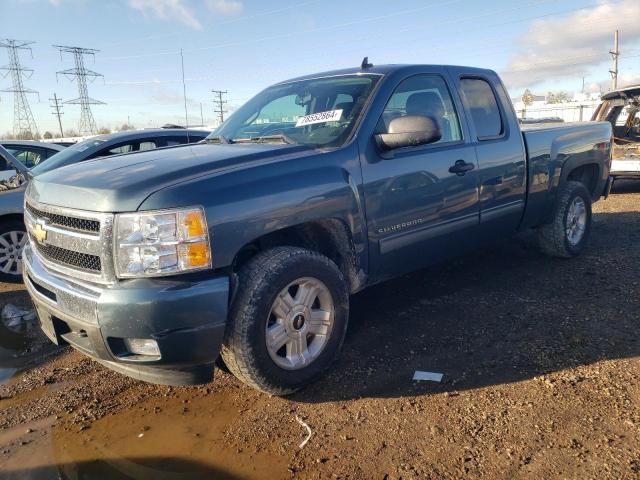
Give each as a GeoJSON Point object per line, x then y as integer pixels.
{"type": "Point", "coordinates": [24, 125]}
{"type": "Point", "coordinates": [57, 106]}
{"type": "Point", "coordinates": [300, 32]}
{"type": "Point", "coordinates": [80, 73]}
{"type": "Point", "coordinates": [219, 103]}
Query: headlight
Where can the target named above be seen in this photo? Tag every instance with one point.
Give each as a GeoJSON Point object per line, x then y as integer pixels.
{"type": "Point", "coordinates": [161, 242]}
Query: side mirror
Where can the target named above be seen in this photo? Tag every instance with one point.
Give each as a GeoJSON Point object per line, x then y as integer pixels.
{"type": "Point", "coordinates": [409, 131]}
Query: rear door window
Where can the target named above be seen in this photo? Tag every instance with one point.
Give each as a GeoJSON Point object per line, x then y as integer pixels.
{"type": "Point", "coordinates": [147, 145]}
{"type": "Point", "coordinates": [182, 140]}
{"type": "Point", "coordinates": [123, 147]}
{"type": "Point", "coordinates": [483, 107]}
{"type": "Point", "coordinates": [28, 156]}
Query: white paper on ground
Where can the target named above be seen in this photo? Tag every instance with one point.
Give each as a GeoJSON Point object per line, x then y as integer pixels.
{"type": "Point", "coordinates": [430, 376]}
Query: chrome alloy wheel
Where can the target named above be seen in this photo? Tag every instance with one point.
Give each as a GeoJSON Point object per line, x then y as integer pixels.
{"type": "Point", "coordinates": [300, 323]}
{"type": "Point", "coordinates": [11, 245]}
{"type": "Point", "coordinates": [576, 221]}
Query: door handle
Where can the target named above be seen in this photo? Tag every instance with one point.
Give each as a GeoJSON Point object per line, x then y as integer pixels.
{"type": "Point", "coordinates": [461, 167]}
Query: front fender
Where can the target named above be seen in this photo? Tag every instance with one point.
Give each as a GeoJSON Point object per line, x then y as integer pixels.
{"type": "Point", "coordinates": [253, 200]}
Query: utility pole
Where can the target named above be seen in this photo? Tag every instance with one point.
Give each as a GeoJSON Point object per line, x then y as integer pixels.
{"type": "Point", "coordinates": [80, 74]}
{"type": "Point", "coordinates": [201, 116]}
{"type": "Point", "coordinates": [218, 103]}
{"type": "Point", "coordinates": [615, 53]}
{"type": "Point", "coordinates": [55, 104]}
{"type": "Point", "coordinates": [24, 125]}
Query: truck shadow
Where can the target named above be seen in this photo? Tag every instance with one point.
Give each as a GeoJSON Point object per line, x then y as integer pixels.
{"type": "Point", "coordinates": [501, 315]}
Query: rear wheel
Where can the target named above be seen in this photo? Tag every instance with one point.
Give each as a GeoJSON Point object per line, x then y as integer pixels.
{"type": "Point", "coordinates": [13, 239]}
{"type": "Point", "coordinates": [569, 229]}
{"type": "Point", "coordinates": [287, 321]}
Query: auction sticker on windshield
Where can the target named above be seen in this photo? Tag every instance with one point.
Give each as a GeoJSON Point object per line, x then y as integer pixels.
{"type": "Point", "coordinates": [320, 117]}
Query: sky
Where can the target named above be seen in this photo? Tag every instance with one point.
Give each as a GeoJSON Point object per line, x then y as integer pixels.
{"type": "Point", "coordinates": [243, 46]}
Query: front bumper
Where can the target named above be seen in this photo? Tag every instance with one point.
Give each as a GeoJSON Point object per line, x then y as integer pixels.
{"type": "Point", "coordinates": [625, 167]}
{"type": "Point", "coordinates": [186, 318]}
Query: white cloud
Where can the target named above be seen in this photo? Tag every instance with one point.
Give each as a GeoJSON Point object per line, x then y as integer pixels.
{"type": "Point", "coordinates": [225, 7]}
{"type": "Point", "coordinates": [571, 45]}
{"type": "Point", "coordinates": [168, 9]}
{"type": "Point", "coordinates": [624, 80]}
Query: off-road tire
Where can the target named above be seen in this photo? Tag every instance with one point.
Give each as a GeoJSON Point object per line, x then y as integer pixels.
{"type": "Point", "coordinates": [552, 237]}
{"type": "Point", "coordinates": [244, 348]}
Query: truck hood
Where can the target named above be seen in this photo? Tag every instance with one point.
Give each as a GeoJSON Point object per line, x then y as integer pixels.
{"type": "Point", "coordinates": [121, 183]}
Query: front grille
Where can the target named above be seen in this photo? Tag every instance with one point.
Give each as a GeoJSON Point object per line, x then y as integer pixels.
{"type": "Point", "coordinates": [80, 224]}
{"type": "Point", "coordinates": [76, 243]}
{"type": "Point", "coordinates": [68, 257]}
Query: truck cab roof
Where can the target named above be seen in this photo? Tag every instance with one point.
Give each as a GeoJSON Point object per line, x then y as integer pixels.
{"type": "Point", "coordinates": [383, 70]}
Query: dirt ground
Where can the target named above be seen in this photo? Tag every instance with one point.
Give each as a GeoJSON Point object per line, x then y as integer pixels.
{"type": "Point", "coordinates": [541, 380]}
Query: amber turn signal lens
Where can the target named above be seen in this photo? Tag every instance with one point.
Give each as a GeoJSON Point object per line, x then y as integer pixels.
{"type": "Point", "coordinates": [194, 255]}
{"type": "Point", "coordinates": [195, 224]}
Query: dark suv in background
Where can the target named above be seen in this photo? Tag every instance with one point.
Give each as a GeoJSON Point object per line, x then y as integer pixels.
{"type": "Point", "coordinates": [13, 236]}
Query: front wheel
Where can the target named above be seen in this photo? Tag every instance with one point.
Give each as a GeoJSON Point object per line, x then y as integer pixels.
{"type": "Point", "coordinates": [13, 239]}
{"type": "Point", "coordinates": [287, 321]}
{"type": "Point", "coordinates": [567, 233]}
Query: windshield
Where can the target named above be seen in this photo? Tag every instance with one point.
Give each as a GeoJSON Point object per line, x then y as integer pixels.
{"type": "Point", "coordinates": [319, 112]}
{"type": "Point", "coordinates": [65, 157]}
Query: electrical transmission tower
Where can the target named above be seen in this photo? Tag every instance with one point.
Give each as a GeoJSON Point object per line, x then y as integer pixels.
{"type": "Point", "coordinates": [24, 125]}
{"type": "Point", "coordinates": [218, 103]}
{"type": "Point", "coordinates": [80, 73]}
{"type": "Point", "coordinates": [57, 107]}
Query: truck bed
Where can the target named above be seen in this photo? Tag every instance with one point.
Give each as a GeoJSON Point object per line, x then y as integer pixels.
{"type": "Point", "coordinates": [548, 147]}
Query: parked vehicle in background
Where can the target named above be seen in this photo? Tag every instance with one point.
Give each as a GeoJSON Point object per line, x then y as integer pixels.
{"type": "Point", "coordinates": [28, 152]}
{"type": "Point", "coordinates": [621, 108]}
{"type": "Point", "coordinates": [12, 229]}
{"type": "Point", "coordinates": [122, 142]}
{"type": "Point", "coordinates": [12, 234]}
{"type": "Point", "coordinates": [251, 243]}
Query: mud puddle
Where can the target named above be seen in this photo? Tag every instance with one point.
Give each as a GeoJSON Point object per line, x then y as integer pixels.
{"type": "Point", "coordinates": [21, 350]}
{"type": "Point", "coordinates": [161, 438]}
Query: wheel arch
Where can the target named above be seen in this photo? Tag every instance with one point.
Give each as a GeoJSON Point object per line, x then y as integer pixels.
{"type": "Point", "coordinates": [11, 217]}
{"type": "Point", "coordinates": [586, 172]}
{"type": "Point", "coordinates": [330, 237]}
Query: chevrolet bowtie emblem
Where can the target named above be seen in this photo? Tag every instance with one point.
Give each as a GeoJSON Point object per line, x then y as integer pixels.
{"type": "Point", "coordinates": [39, 233]}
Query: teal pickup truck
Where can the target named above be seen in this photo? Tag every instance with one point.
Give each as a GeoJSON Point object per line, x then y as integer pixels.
{"type": "Point", "coordinates": [249, 244]}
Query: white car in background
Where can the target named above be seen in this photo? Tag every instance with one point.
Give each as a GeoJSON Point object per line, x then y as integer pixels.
{"type": "Point", "coordinates": [622, 109]}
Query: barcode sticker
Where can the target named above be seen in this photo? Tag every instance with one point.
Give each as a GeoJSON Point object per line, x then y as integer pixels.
{"type": "Point", "coordinates": [320, 117]}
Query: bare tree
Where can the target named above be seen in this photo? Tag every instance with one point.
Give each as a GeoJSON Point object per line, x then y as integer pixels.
{"type": "Point", "coordinates": [558, 97]}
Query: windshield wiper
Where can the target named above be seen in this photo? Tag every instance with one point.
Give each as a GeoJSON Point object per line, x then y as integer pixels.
{"type": "Point", "coordinates": [266, 138]}
{"type": "Point", "coordinates": [221, 139]}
